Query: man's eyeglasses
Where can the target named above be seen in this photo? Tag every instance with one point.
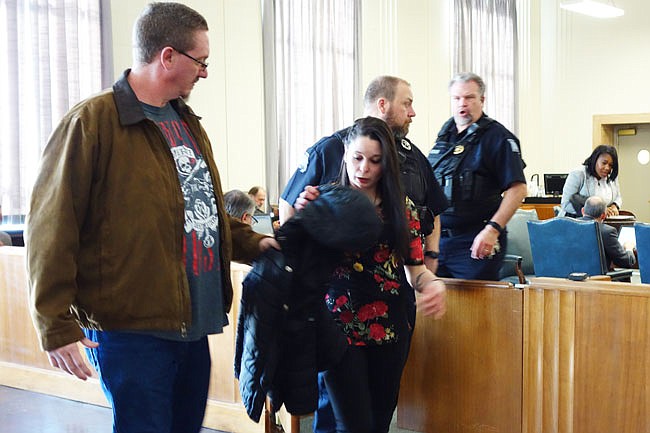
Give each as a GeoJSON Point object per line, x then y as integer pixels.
{"type": "Point", "coordinates": [253, 220]}
{"type": "Point", "coordinates": [203, 65]}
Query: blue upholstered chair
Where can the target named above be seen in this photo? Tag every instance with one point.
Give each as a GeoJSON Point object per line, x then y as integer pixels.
{"type": "Point", "coordinates": [518, 264]}
{"type": "Point", "coordinates": [642, 233]}
{"type": "Point", "coordinates": [561, 246]}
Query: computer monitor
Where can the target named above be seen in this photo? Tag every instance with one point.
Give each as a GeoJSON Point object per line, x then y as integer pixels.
{"type": "Point", "coordinates": [554, 183]}
{"type": "Point", "coordinates": [627, 236]}
{"type": "Point", "coordinates": [263, 225]}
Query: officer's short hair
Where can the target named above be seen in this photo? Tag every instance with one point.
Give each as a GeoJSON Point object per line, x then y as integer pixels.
{"type": "Point", "coordinates": [594, 206]}
{"type": "Point", "coordinates": [238, 203]}
{"type": "Point", "coordinates": [383, 86]}
{"type": "Point", "coordinates": [465, 77]}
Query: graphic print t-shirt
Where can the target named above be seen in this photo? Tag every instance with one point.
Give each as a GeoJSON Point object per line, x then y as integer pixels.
{"type": "Point", "coordinates": [201, 241]}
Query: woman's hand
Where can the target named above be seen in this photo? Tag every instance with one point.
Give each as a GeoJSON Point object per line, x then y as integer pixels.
{"type": "Point", "coordinates": [432, 299]}
{"type": "Point", "coordinates": [310, 193]}
{"type": "Point", "coordinates": [612, 210]}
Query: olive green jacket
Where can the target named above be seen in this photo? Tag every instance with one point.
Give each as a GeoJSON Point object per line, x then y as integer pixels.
{"type": "Point", "coordinates": [105, 230]}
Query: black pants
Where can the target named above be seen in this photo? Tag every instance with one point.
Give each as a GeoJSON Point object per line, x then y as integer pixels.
{"type": "Point", "coordinates": [364, 386]}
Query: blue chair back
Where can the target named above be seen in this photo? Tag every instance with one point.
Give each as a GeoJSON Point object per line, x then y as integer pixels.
{"type": "Point", "coordinates": [642, 233]}
{"type": "Point", "coordinates": [564, 245]}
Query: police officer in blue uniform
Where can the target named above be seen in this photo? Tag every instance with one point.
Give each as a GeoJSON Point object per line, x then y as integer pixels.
{"type": "Point", "coordinates": [478, 163]}
{"type": "Point", "coordinates": [390, 99]}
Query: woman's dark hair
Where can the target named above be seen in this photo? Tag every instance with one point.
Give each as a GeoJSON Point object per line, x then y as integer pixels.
{"type": "Point", "coordinates": [590, 162]}
{"type": "Point", "coordinates": [389, 187]}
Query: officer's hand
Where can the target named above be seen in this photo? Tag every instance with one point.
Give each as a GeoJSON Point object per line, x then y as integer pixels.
{"type": "Point", "coordinates": [309, 194]}
{"type": "Point", "coordinates": [486, 243]}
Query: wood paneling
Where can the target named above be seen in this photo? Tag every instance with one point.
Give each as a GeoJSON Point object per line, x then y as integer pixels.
{"type": "Point", "coordinates": [464, 372]}
{"type": "Point", "coordinates": [24, 365]}
{"type": "Point", "coordinates": [557, 357]}
{"type": "Point", "coordinates": [586, 357]}
{"type": "Point", "coordinates": [544, 210]}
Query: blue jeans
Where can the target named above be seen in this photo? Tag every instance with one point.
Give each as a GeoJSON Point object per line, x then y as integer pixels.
{"type": "Point", "coordinates": [455, 260]}
{"type": "Point", "coordinates": [153, 385]}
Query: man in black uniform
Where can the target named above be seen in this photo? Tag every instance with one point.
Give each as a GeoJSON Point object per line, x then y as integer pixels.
{"type": "Point", "coordinates": [478, 163]}
{"type": "Point", "coordinates": [390, 99]}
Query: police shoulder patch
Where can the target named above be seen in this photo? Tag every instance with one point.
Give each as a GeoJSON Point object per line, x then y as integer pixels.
{"type": "Point", "coordinates": [304, 161]}
{"type": "Point", "coordinates": [513, 145]}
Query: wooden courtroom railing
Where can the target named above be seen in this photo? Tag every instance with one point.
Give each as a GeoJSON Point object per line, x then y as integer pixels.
{"type": "Point", "coordinates": [464, 372]}
{"type": "Point", "coordinates": [558, 356]}
{"type": "Point", "coordinates": [24, 365]}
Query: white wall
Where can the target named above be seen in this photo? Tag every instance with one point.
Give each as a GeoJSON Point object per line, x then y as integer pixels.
{"type": "Point", "coordinates": [571, 67]}
{"type": "Point", "coordinates": [410, 39]}
{"type": "Point", "coordinates": [587, 66]}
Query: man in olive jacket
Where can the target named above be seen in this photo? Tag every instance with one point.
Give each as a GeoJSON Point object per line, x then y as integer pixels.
{"type": "Point", "coordinates": [128, 242]}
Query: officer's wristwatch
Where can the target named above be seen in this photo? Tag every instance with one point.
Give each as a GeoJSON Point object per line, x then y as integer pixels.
{"type": "Point", "coordinates": [496, 225]}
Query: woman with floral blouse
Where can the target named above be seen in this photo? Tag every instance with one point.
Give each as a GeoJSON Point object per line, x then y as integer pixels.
{"type": "Point", "coordinates": [366, 295]}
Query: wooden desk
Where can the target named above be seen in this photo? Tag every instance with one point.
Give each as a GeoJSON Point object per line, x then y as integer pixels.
{"type": "Point", "coordinates": [619, 221]}
{"type": "Point", "coordinates": [543, 205]}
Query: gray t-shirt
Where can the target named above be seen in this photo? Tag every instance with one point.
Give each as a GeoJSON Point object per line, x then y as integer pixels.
{"type": "Point", "coordinates": [201, 241]}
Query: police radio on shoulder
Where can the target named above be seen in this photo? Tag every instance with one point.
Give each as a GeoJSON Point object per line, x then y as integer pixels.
{"type": "Point", "coordinates": [496, 225]}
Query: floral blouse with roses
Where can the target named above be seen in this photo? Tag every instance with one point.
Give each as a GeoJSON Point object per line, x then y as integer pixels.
{"type": "Point", "coordinates": [365, 295]}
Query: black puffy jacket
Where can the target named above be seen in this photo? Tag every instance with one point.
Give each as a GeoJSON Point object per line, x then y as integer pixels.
{"type": "Point", "coordinates": [285, 334]}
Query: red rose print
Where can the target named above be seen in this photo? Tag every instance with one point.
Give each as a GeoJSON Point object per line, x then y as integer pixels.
{"type": "Point", "coordinates": [415, 248]}
{"type": "Point", "coordinates": [378, 278]}
{"type": "Point", "coordinates": [377, 332]}
{"type": "Point", "coordinates": [390, 285]}
{"type": "Point", "coordinates": [366, 312]}
{"type": "Point", "coordinates": [341, 300]}
{"type": "Point", "coordinates": [381, 255]}
{"type": "Point", "coordinates": [380, 308]}
{"type": "Point", "coordinates": [346, 316]}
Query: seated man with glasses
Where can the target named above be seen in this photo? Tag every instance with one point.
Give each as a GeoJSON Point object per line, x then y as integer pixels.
{"type": "Point", "coordinates": [239, 205]}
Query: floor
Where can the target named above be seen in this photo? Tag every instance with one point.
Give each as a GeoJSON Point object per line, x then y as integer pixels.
{"type": "Point", "coordinates": [30, 412]}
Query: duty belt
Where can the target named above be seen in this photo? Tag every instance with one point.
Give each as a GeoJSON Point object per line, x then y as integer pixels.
{"type": "Point", "coordinates": [448, 233]}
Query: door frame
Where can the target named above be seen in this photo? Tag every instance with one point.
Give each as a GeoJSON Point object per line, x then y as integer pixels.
{"type": "Point", "coordinates": [604, 125]}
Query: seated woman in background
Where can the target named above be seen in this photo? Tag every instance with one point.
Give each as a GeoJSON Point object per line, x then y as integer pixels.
{"type": "Point", "coordinates": [597, 176]}
{"type": "Point", "coordinates": [366, 295]}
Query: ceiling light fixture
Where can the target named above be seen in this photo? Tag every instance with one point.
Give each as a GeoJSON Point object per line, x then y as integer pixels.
{"type": "Point", "coordinates": [592, 8]}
